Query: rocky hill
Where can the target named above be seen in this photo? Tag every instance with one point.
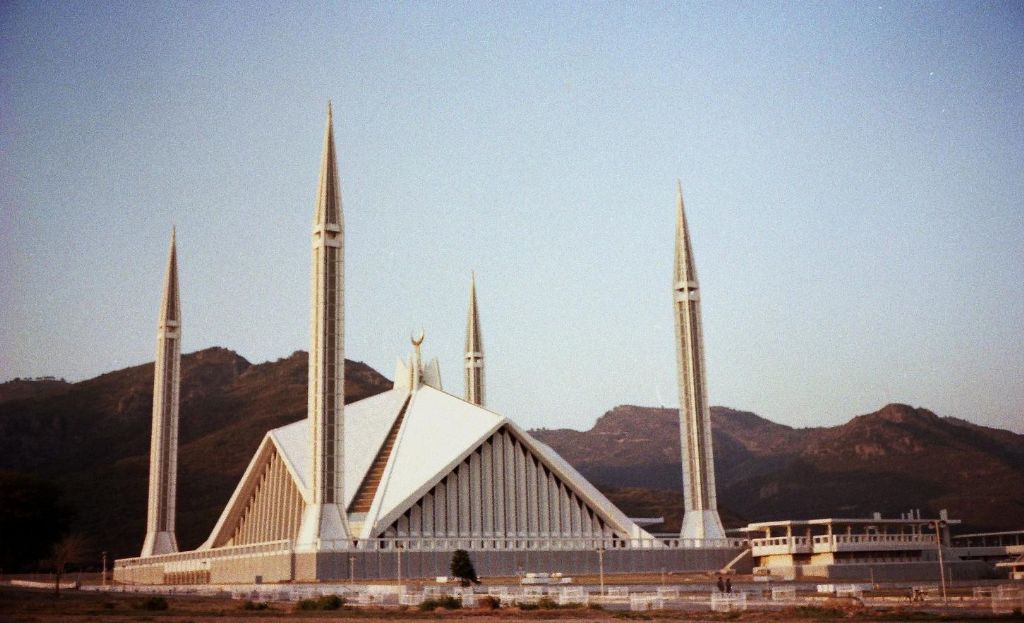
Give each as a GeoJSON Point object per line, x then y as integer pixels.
{"type": "Point", "coordinates": [92, 439]}
{"type": "Point", "coordinates": [19, 389]}
{"type": "Point", "coordinates": [890, 461]}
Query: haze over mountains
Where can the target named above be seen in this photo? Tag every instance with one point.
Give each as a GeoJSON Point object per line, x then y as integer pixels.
{"type": "Point", "coordinates": [92, 438]}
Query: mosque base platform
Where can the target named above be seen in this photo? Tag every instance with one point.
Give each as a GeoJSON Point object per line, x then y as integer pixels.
{"type": "Point", "coordinates": [274, 563]}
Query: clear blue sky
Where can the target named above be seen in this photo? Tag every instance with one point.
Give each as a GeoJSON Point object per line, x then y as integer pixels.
{"type": "Point", "coordinates": [854, 177]}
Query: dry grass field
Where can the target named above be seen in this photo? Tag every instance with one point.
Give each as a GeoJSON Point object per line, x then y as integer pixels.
{"type": "Point", "coordinates": [39, 606]}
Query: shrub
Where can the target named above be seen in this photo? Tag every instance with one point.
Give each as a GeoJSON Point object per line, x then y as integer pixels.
{"type": "Point", "coordinates": [326, 602]}
{"type": "Point", "coordinates": [447, 602]}
{"type": "Point", "coordinates": [818, 612]}
{"type": "Point", "coordinates": [153, 602]}
{"type": "Point", "coordinates": [253, 605]}
{"type": "Point", "coordinates": [546, 603]}
{"type": "Point", "coordinates": [488, 602]}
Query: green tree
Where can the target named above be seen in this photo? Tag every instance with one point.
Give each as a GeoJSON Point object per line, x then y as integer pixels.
{"type": "Point", "coordinates": [462, 568]}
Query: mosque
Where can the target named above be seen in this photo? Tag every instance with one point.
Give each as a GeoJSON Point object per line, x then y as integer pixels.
{"type": "Point", "coordinates": [415, 472]}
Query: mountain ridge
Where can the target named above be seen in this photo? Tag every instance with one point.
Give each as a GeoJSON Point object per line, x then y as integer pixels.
{"type": "Point", "coordinates": [92, 437]}
{"type": "Point", "coordinates": [890, 460]}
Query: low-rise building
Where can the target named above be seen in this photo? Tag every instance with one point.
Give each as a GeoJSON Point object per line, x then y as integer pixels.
{"type": "Point", "coordinates": [868, 549]}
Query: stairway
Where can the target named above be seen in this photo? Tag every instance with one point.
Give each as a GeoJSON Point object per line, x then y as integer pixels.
{"type": "Point", "coordinates": [368, 489]}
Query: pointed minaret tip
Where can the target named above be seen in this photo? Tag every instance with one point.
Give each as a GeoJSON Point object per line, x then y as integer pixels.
{"type": "Point", "coordinates": [171, 308]}
{"type": "Point", "coordinates": [679, 199]}
{"type": "Point", "coordinates": [328, 198]}
{"type": "Point", "coordinates": [474, 351]}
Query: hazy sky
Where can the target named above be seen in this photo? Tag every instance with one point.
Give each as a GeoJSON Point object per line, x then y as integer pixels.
{"type": "Point", "coordinates": [853, 172]}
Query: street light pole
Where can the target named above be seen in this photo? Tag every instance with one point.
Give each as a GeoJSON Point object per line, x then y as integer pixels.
{"type": "Point", "coordinates": [942, 567]}
{"type": "Point", "coordinates": [600, 560]}
{"type": "Point", "coordinates": [398, 548]}
{"type": "Point", "coordinates": [104, 576]}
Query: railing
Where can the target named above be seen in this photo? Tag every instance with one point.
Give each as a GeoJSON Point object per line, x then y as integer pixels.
{"type": "Point", "coordinates": [781, 545]}
{"type": "Point", "coordinates": [431, 544]}
{"type": "Point", "coordinates": [837, 542]}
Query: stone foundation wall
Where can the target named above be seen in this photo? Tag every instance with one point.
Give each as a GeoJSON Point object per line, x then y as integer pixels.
{"type": "Point", "coordinates": [147, 574]}
{"type": "Point", "coordinates": [256, 569]}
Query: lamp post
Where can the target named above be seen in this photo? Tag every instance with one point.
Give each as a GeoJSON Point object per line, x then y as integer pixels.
{"type": "Point", "coordinates": [942, 567]}
{"type": "Point", "coordinates": [104, 573]}
{"type": "Point", "coordinates": [398, 549]}
{"type": "Point", "coordinates": [600, 562]}
{"type": "Point", "coordinates": [351, 568]}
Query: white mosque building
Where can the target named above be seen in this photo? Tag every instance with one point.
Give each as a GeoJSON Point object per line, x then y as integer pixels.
{"type": "Point", "coordinates": [415, 472]}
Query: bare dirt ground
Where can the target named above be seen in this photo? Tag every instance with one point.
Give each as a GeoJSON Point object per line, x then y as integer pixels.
{"type": "Point", "coordinates": [39, 606]}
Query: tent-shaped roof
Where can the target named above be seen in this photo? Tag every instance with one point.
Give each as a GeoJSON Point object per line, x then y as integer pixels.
{"type": "Point", "coordinates": [436, 434]}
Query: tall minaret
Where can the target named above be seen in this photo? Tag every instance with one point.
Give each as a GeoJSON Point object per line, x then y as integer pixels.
{"type": "Point", "coordinates": [163, 448]}
{"type": "Point", "coordinates": [324, 524]}
{"type": "Point", "coordinates": [474, 357]}
{"type": "Point", "coordinates": [700, 520]}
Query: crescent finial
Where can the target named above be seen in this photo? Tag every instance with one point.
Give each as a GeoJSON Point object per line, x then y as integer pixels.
{"type": "Point", "coordinates": [417, 341]}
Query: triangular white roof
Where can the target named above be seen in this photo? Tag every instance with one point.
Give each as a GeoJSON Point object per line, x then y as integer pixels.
{"type": "Point", "coordinates": [367, 424]}
{"type": "Point", "coordinates": [438, 432]}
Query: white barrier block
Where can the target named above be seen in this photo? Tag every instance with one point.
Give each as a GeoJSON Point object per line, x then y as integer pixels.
{"type": "Point", "coordinates": [573, 595]}
{"type": "Point", "coordinates": [617, 591]}
{"type": "Point", "coordinates": [728, 602]}
{"type": "Point", "coordinates": [639, 603]}
{"type": "Point", "coordinates": [410, 599]}
{"type": "Point", "coordinates": [784, 593]}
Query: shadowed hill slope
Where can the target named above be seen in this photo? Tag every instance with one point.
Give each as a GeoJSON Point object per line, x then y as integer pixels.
{"type": "Point", "coordinates": [892, 460]}
{"type": "Point", "coordinates": [92, 437]}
